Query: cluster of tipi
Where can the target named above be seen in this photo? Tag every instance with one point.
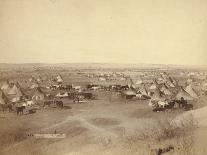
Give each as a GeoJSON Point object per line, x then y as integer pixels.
{"type": "Point", "coordinates": [13, 92]}
{"type": "Point", "coordinates": [164, 87]}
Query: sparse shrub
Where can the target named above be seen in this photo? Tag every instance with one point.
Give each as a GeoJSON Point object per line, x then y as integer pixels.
{"type": "Point", "coordinates": [163, 133]}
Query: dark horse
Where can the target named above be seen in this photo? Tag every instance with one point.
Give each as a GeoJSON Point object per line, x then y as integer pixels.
{"type": "Point", "coordinates": [6, 106]}
{"type": "Point", "coordinates": [183, 104]}
{"type": "Point", "coordinates": [188, 107]}
{"type": "Point", "coordinates": [170, 105]}
{"type": "Point", "coordinates": [59, 104]}
{"type": "Point", "coordinates": [47, 103]}
{"type": "Point", "coordinates": [20, 110]}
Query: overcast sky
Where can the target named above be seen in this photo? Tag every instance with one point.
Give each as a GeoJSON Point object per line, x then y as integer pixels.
{"type": "Point", "coordinates": [109, 31]}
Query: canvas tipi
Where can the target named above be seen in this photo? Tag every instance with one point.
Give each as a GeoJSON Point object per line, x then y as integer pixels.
{"type": "Point", "coordinates": [191, 91]}
{"type": "Point", "coordinates": [184, 94]}
{"type": "Point", "coordinates": [38, 94]}
{"type": "Point", "coordinates": [15, 91]}
{"type": "Point", "coordinates": [5, 85]}
{"type": "Point", "coordinates": [3, 98]}
{"type": "Point", "coordinates": [142, 90]}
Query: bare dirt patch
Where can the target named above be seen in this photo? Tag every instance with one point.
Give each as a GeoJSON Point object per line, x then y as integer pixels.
{"type": "Point", "coordinates": [104, 121]}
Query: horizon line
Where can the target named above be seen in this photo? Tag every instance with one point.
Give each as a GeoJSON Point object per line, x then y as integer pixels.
{"type": "Point", "coordinates": [124, 63]}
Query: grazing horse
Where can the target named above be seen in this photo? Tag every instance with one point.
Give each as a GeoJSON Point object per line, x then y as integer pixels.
{"type": "Point", "coordinates": [87, 95]}
{"type": "Point", "coordinates": [170, 105]}
{"type": "Point", "coordinates": [59, 104]}
{"type": "Point", "coordinates": [29, 103]}
{"type": "Point", "coordinates": [180, 103]}
{"type": "Point", "coordinates": [162, 104]}
{"type": "Point", "coordinates": [20, 110]}
{"type": "Point", "coordinates": [47, 103]}
{"type": "Point", "coordinates": [188, 107]}
{"type": "Point", "coordinates": [6, 106]}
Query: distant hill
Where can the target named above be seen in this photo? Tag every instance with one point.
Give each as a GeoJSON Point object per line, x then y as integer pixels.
{"type": "Point", "coordinates": [99, 65]}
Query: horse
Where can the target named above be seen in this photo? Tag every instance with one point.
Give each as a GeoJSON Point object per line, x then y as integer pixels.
{"type": "Point", "coordinates": [20, 110]}
{"type": "Point", "coordinates": [47, 103]}
{"type": "Point", "coordinates": [78, 98]}
{"type": "Point", "coordinates": [170, 105]}
{"type": "Point", "coordinates": [7, 106]}
{"type": "Point", "coordinates": [59, 104]}
{"type": "Point", "coordinates": [88, 95]}
{"type": "Point", "coordinates": [188, 107]}
{"type": "Point", "coordinates": [29, 103]}
{"type": "Point", "coordinates": [162, 104]}
{"type": "Point", "coordinates": [181, 103]}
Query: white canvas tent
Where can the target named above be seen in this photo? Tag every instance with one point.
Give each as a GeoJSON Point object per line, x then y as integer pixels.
{"type": "Point", "coordinates": [5, 86]}
{"type": "Point", "coordinates": [170, 84]}
{"type": "Point", "coordinates": [139, 81]}
{"type": "Point", "coordinates": [184, 94]}
{"type": "Point", "coordinates": [153, 86]}
{"type": "Point", "coordinates": [3, 99]}
{"type": "Point", "coordinates": [165, 90]}
{"type": "Point", "coordinates": [15, 91]}
{"type": "Point", "coordinates": [59, 79]}
{"type": "Point", "coordinates": [15, 99]}
{"type": "Point", "coordinates": [143, 90]}
{"type": "Point", "coordinates": [38, 94]}
{"type": "Point", "coordinates": [191, 91]}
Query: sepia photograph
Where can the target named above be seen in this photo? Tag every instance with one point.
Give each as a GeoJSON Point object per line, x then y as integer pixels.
{"type": "Point", "coordinates": [103, 77]}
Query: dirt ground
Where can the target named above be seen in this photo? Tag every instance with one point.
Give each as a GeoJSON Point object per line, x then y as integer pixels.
{"type": "Point", "coordinates": [94, 127]}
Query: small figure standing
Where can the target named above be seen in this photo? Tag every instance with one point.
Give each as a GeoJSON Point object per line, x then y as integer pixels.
{"type": "Point", "coordinates": [183, 102]}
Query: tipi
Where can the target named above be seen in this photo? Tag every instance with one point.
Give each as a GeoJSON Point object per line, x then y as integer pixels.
{"type": "Point", "coordinates": [5, 85]}
{"type": "Point", "coordinates": [143, 90]}
{"type": "Point", "coordinates": [3, 98]}
{"type": "Point", "coordinates": [184, 94]}
{"type": "Point", "coordinates": [38, 94]}
{"type": "Point", "coordinates": [153, 86]}
{"type": "Point", "coordinates": [59, 79]}
{"type": "Point", "coordinates": [191, 91]}
{"type": "Point", "coordinates": [15, 91]}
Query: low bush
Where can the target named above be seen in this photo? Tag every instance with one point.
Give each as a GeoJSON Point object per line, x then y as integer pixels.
{"type": "Point", "coordinates": [164, 133]}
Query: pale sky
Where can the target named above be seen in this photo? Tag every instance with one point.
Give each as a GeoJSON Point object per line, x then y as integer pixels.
{"type": "Point", "coordinates": [105, 31]}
